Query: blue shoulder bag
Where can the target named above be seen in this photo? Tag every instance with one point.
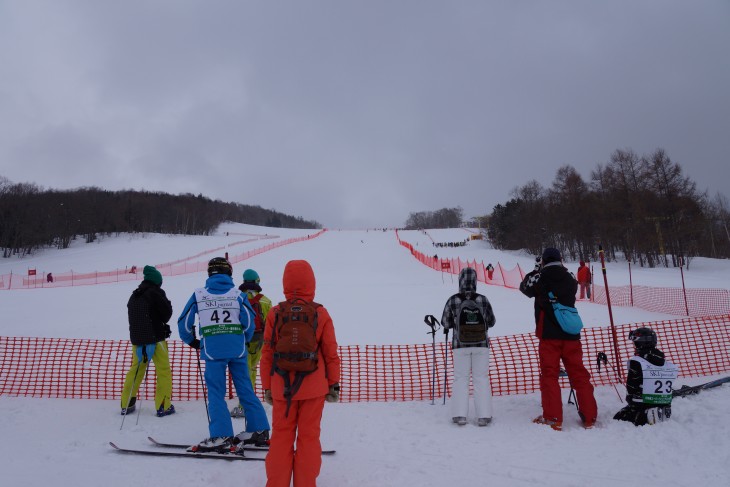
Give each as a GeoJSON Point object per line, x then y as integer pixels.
{"type": "Point", "coordinates": [567, 316]}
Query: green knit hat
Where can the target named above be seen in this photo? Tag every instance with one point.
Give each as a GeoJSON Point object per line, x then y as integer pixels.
{"type": "Point", "coordinates": [251, 275]}
{"type": "Point", "coordinates": [153, 275]}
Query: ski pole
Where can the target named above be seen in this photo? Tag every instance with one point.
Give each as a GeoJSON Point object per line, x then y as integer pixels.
{"type": "Point", "coordinates": [602, 358]}
{"type": "Point", "coordinates": [205, 395]}
{"type": "Point", "coordinates": [446, 360]}
{"type": "Point", "coordinates": [129, 399]}
{"type": "Point", "coordinates": [431, 321]}
{"type": "Point", "coordinates": [146, 360]}
{"type": "Point", "coordinates": [572, 398]}
{"type": "Point", "coordinates": [146, 390]}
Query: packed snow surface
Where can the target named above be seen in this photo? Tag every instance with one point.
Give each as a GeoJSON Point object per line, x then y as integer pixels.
{"type": "Point", "coordinates": [377, 294]}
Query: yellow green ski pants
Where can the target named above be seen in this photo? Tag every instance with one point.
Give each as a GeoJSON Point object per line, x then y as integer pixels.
{"type": "Point", "coordinates": [136, 374]}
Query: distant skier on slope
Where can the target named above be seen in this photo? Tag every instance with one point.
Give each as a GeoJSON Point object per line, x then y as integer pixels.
{"type": "Point", "coordinates": [584, 280]}
{"type": "Point", "coordinates": [649, 381]}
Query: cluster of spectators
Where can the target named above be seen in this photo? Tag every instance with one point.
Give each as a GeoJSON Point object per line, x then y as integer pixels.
{"type": "Point", "coordinates": [451, 244]}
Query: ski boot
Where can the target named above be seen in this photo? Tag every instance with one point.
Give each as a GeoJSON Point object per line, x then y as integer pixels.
{"type": "Point", "coordinates": [553, 423]}
{"type": "Point", "coordinates": [238, 412]}
{"type": "Point", "coordinates": [130, 407]}
{"type": "Point", "coordinates": [219, 444]}
{"type": "Point", "coordinates": [165, 412]}
{"type": "Point", "coordinates": [256, 438]}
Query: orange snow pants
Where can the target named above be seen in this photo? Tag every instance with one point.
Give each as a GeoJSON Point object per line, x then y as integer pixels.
{"type": "Point", "coordinates": [284, 462]}
{"type": "Point", "coordinates": [571, 353]}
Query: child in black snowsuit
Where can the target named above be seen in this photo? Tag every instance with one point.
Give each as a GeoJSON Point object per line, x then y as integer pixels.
{"type": "Point", "coordinates": [649, 382]}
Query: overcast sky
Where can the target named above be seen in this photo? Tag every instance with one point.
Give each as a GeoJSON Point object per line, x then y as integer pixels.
{"type": "Point", "coordinates": [357, 113]}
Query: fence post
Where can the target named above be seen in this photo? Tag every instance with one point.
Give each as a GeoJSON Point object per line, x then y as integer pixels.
{"type": "Point", "coordinates": [631, 286]}
{"type": "Point", "coordinates": [684, 290]}
{"type": "Point", "coordinates": [619, 375]}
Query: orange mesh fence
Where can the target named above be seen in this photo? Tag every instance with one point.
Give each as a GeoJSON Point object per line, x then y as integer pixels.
{"type": "Point", "coordinates": [134, 273]}
{"type": "Point", "coordinates": [674, 301]}
{"type": "Point", "coordinates": [95, 369]}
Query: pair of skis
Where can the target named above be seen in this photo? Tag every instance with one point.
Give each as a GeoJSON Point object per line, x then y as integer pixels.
{"type": "Point", "coordinates": [687, 390]}
{"type": "Point", "coordinates": [214, 455]}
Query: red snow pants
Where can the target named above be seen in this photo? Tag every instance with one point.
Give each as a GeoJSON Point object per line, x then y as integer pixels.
{"type": "Point", "coordinates": [303, 425]}
{"type": "Point", "coordinates": [571, 353]}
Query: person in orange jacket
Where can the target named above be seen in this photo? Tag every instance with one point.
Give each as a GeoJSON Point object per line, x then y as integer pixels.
{"type": "Point", "coordinates": [584, 280]}
{"type": "Point", "coordinates": [297, 402]}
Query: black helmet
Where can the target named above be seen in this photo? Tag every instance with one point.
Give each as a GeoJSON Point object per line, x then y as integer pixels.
{"type": "Point", "coordinates": [219, 265]}
{"type": "Point", "coordinates": [643, 338]}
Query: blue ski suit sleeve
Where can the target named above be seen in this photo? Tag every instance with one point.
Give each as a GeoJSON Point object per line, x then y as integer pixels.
{"type": "Point", "coordinates": [247, 317]}
{"type": "Point", "coordinates": [186, 321]}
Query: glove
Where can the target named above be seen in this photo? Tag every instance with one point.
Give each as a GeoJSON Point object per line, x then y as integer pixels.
{"type": "Point", "coordinates": [334, 394]}
{"type": "Point", "coordinates": [168, 331]}
{"type": "Point", "coordinates": [446, 331]}
{"type": "Point", "coordinates": [267, 397]}
{"type": "Point", "coordinates": [195, 344]}
{"type": "Point", "coordinates": [145, 352]}
{"type": "Point", "coordinates": [257, 341]}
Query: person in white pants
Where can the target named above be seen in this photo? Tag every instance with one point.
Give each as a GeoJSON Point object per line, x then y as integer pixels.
{"type": "Point", "coordinates": [472, 361]}
{"type": "Point", "coordinates": [470, 316]}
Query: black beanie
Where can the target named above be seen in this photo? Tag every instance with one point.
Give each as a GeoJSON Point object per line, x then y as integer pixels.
{"type": "Point", "coordinates": [551, 254]}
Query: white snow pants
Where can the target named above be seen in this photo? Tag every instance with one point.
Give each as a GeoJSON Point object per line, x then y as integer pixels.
{"type": "Point", "coordinates": [474, 361]}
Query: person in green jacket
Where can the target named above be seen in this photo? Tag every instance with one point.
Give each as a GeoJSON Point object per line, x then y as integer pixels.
{"type": "Point", "coordinates": [261, 305]}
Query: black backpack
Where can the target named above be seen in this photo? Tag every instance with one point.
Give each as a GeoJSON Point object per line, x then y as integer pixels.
{"type": "Point", "coordinates": [471, 327]}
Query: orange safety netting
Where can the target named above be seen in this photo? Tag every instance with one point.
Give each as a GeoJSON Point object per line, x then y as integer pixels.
{"type": "Point", "coordinates": [178, 267]}
{"type": "Point", "coordinates": [95, 369]}
{"type": "Point", "coordinates": [675, 301]}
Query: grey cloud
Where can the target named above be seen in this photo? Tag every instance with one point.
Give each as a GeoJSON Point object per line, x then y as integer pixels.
{"type": "Point", "coordinates": [357, 113]}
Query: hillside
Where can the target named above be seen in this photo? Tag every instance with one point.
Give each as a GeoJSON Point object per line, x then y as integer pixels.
{"type": "Point", "coordinates": [377, 294]}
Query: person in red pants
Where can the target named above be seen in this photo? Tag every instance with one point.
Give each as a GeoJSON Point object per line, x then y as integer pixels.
{"type": "Point", "coordinates": [556, 344]}
{"type": "Point", "coordinates": [300, 370]}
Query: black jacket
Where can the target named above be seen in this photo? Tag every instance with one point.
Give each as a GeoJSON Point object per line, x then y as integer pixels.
{"type": "Point", "coordinates": [148, 310]}
{"type": "Point", "coordinates": [556, 278]}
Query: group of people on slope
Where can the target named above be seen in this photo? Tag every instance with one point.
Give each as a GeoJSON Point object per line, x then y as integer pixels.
{"type": "Point", "coordinates": [469, 315]}
{"type": "Point", "coordinates": [234, 329]}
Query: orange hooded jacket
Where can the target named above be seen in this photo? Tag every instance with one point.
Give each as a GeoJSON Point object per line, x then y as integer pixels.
{"type": "Point", "coordinates": [299, 282]}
